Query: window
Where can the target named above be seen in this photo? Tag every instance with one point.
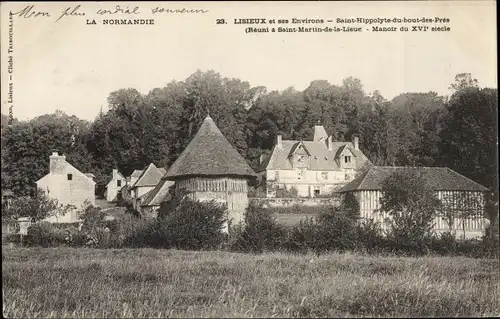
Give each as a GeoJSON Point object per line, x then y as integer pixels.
{"type": "Point", "coordinates": [70, 177]}
{"type": "Point", "coordinates": [347, 159]}
{"type": "Point", "coordinates": [316, 192]}
{"type": "Point", "coordinates": [276, 175]}
{"type": "Point", "coordinates": [347, 177]}
{"type": "Point", "coordinates": [118, 183]}
{"type": "Point", "coordinates": [300, 174]}
{"type": "Point", "coordinates": [300, 158]}
{"type": "Point", "coordinates": [324, 175]}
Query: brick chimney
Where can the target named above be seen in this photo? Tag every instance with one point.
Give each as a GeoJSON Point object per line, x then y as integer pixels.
{"type": "Point", "coordinates": [355, 142]}
{"type": "Point", "coordinates": [319, 133]}
{"type": "Point", "coordinates": [279, 142]}
{"type": "Point", "coordinates": [329, 143]}
{"type": "Point", "coordinates": [56, 161]}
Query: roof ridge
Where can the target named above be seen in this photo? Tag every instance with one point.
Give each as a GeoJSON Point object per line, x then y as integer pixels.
{"type": "Point", "coordinates": [463, 176]}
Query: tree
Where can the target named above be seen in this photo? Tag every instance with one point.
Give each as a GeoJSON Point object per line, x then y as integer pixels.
{"type": "Point", "coordinates": [28, 145]}
{"type": "Point", "coordinates": [468, 141]}
{"type": "Point", "coordinates": [463, 81]}
{"type": "Point", "coordinates": [37, 207]}
{"type": "Point", "coordinates": [411, 205]}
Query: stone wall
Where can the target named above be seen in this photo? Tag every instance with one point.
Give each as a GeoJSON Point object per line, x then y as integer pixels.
{"type": "Point", "coordinates": [286, 202]}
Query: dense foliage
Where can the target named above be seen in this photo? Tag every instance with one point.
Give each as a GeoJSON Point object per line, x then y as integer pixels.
{"type": "Point", "coordinates": [411, 129]}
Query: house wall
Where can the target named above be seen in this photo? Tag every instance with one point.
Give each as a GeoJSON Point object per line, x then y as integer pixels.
{"type": "Point", "coordinates": [75, 192]}
{"type": "Point", "coordinates": [138, 192]}
{"type": "Point", "coordinates": [141, 190]}
{"type": "Point", "coordinates": [307, 181]}
{"type": "Point", "coordinates": [454, 201]}
{"type": "Point", "coordinates": [230, 191]}
{"type": "Point", "coordinates": [112, 188]}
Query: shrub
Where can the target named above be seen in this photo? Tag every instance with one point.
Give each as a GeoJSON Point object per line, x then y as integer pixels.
{"type": "Point", "coordinates": [261, 232]}
{"type": "Point", "coordinates": [370, 235]}
{"type": "Point", "coordinates": [302, 237]}
{"type": "Point", "coordinates": [187, 224]}
{"type": "Point", "coordinates": [337, 230]}
{"type": "Point", "coordinates": [134, 232]}
{"type": "Point", "coordinates": [490, 240]}
{"type": "Point", "coordinates": [412, 206]}
{"type": "Point", "coordinates": [93, 218]}
{"type": "Point", "coordinates": [46, 235]}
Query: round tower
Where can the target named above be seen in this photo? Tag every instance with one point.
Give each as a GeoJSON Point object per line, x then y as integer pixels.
{"type": "Point", "coordinates": [210, 168]}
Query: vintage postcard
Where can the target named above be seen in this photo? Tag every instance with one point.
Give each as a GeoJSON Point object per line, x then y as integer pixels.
{"type": "Point", "coordinates": [249, 159]}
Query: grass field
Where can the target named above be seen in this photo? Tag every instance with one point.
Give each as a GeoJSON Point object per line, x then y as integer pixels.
{"type": "Point", "coordinates": [88, 283]}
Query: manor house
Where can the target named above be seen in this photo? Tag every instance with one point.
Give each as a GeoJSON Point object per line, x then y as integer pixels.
{"type": "Point", "coordinates": [313, 168]}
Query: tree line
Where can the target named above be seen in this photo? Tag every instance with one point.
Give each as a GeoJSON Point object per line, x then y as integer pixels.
{"type": "Point", "coordinates": [417, 129]}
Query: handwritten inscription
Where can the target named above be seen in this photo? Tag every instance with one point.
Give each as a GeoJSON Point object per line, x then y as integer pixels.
{"type": "Point", "coordinates": [119, 10]}
{"type": "Point", "coordinates": [29, 12]}
{"type": "Point", "coordinates": [71, 12]}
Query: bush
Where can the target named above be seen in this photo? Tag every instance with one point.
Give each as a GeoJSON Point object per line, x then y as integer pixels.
{"type": "Point", "coordinates": [260, 233]}
{"type": "Point", "coordinates": [46, 235]}
{"type": "Point", "coordinates": [93, 218]}
{"type": "Point", "coordinates": [337, 230]}
{"type": "Point", "coordinates": [192, 225]}
{"type": "Point", "coordinates": [183, 224]}
{"type": "Point", "coordinates": [134, 232]}
{"type": "Point", "coordinates": [302, 237]}
{"type": "Point", "coordinates": [370, 235]}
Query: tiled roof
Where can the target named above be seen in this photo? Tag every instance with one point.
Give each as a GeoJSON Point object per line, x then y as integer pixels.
{"type": "Point", "coordinates": [158, 194]}
{"type": "Point", "coordinates": [321, 158]}
{"type": "Point", "coordinates": [209, 154]}
{"type": "Point", "coordinates": [149, 177]}
{"type": "Point", "coordinates": [437, 178]}
{"type": "Point", "coordinates": [136, 173]}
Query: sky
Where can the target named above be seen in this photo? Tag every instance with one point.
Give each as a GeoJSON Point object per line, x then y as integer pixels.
{"type": "Point", "coordinates": [72, 66]}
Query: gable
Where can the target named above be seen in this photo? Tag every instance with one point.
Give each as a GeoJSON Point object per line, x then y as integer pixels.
{"type": "Point", "coordinates": [150, 177]}
{"type": "Point", "coordinates": [300, 149]}
{"type": "Point", "coordinates": [118, 177]}
{"type": "Point", "coordinates": [64, 169]}
{"type": "Point", "coordinates": [321, 158]}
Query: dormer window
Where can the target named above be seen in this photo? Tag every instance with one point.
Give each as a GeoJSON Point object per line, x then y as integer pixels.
{"type": "Point", "coordinates": [118, 183]}
{"type": "Point", "coordinates": [347, 159]}
{"type": "Point", "coordinates": [70, 177]}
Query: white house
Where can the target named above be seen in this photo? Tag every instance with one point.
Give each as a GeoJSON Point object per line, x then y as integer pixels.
{"type": "Point", "coordinates": [68, 185]}
{"type": "Point", "coordinates": [314, 167]}
{"type": "Point", "coordinates": [146, 182]}
{"type": "Point", "coordinates": [113, 188]}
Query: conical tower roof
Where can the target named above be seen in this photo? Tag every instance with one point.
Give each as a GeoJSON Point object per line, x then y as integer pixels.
{"type": "Point", "coordinates": [209, 154]}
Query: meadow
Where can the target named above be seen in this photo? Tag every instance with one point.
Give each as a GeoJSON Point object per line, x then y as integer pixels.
{"type": "Point", "coordinates": [87, 283]}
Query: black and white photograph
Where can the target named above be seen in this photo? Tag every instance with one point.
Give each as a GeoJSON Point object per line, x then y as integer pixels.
{"type": "Point", "coordinates": [249, 159]}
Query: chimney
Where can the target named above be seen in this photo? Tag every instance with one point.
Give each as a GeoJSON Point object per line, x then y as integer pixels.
{"type": "Point", "coordinates": [115, 172]}
{"type": "Point", "coordinates": [319, 133]}
{"type": "Point", "coordinates": [55, 161]}
{"type": "Point", "coordinates": [329, 143]}
{"type": "Point", "coordinates": [279, 142]}
{"type": "Point", "coordinates": [355, 142]}
{"type": "Point", "coordinates": [261, 158]}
